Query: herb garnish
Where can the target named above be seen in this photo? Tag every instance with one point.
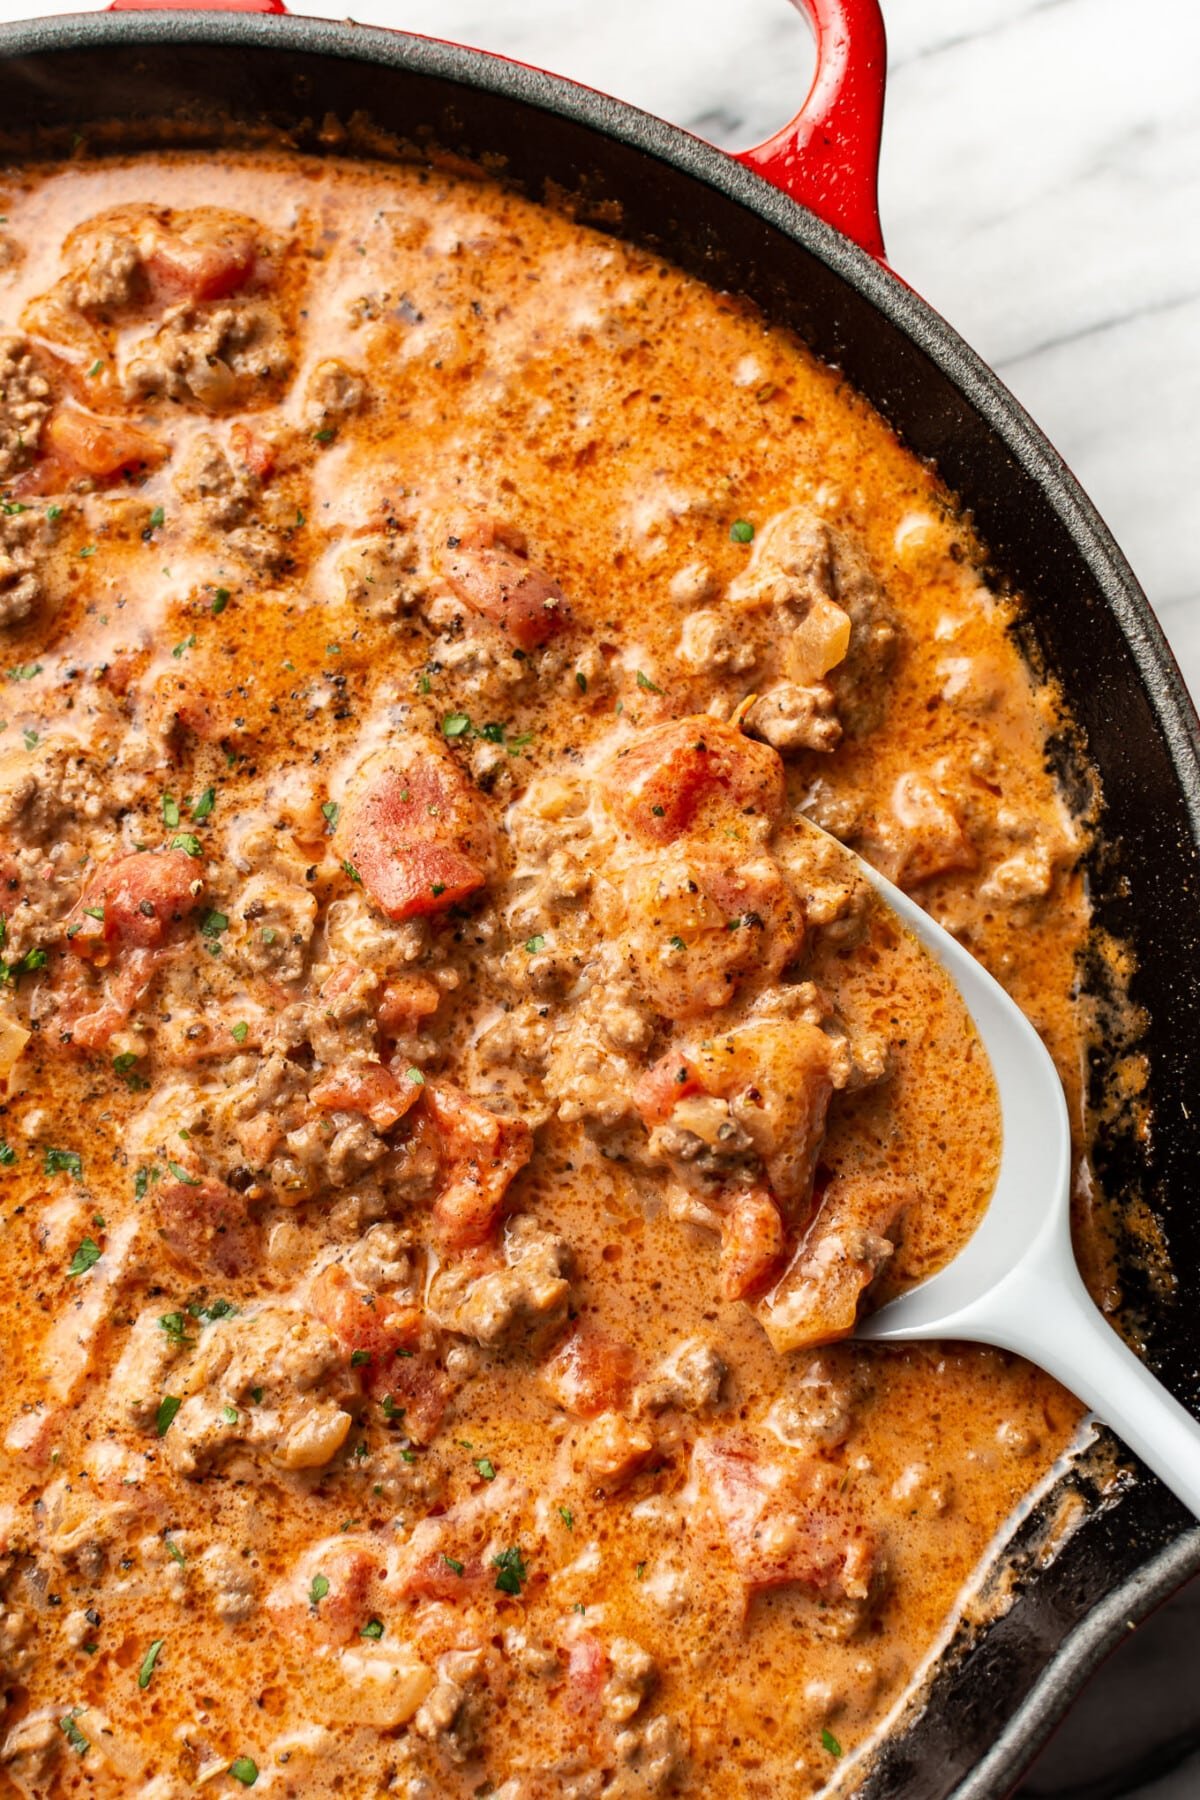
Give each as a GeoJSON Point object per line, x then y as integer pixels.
{"type": "Point", "coordinates": [146, 1672]}
{"type": "Point", "coordinates": [511, 1570]}
{"type": "Point", "coordinates": [64, 1162]}
{"type": "Point", "coordinates": [168, 1406]}
{"type": "Point", "coordinates": [86, 1257]}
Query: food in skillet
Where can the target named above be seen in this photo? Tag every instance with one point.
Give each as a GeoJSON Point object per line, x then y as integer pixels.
{"type": "Point", "coordinates": [455, 1105]}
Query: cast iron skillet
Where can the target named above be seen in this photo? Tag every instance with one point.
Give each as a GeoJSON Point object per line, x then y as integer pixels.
{"type": "Point", "coordinates": [794, 225]}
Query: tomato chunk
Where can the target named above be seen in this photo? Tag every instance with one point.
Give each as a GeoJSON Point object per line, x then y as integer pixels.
{"type": "Point", "coordinates": [784, 1520]}
{"type": "Point", "coordinates": [487, 565]}
{"type": "Point", "coordinates": [688, 774]}
{"type": "Point", "coordinates": [752, 1244]}
{"type": "Point", "coordinates": [590, 1373]}
{"type": "Point", "coordinates": [482, 1152]}
{"type": "Point", "coordinates": [206, 1224]}
{"type": "Point", "coordinates": [332, 1610]}
{"type": "Point", "coordinates": [375, 1326]}
{"type": "Point", "coordinates": [139, 898]}
{"type": "Point", "coordinates": [817, 1299]}
{"type": "Point", "coordinates": [413, 832]}
{"type": "Point", "coordinates": [83, 443]}
{"type": "Point", "coordinates": [368, 1088]}
{"type": "Point", "coordinates": [209, 258]}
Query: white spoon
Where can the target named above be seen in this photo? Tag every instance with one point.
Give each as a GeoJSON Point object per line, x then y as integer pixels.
{"type": "Point", "coordinates": [1015, 1283]}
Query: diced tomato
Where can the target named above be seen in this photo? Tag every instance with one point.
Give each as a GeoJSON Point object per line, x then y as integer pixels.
{"type": "Point", "coordinates": [139, 897]}
{"type": "Point", "coordinates": [351, 1566]}
{"type": "Point", "coordinates": [752, 1245]}
{"type": "Point", "coordinates": [405, 1001]}
{"type": "Point", "coordinates": [817, 1298]}
{"type": "Point", "coordinates": [82, 443]}
{"type": "Point", "coordinates": [665, 1083]}
{"type": "Point", "coordinates": [688, 773]}
{"type": "Point", "coordinates": [254, 452]}
{"type": "Point", "coordinates": [590, 1373]}
{"type": "Point", "coordinates": [207, 260]}
{"type": "Point", "coordinates": [367, 1088]}
{"type": "Point", "coordinates": [414, 833]}
{"type": "Point", "coordinates": [783, 1519]}
{"type": "Point", "coordinates": [206, 1224]}
{"type": "Point", "coordinates": [587, 1671]}
{"type": "Point", "coordinates": [482, 1152]}
{"type": "Point", "coordinates": [488, 567]}
{"type": "Point", "coordinates": [374, 1326]}
{"type": "Point", "coordinates": [399, 1369]}
{"type": "Point", "coordinates": [429, 1573]}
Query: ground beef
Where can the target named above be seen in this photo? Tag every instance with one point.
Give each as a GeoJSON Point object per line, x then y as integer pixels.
{"type": "Point", "coordinates": [220, 356]}
{"type": "Point", "coordinates": [24, 404]}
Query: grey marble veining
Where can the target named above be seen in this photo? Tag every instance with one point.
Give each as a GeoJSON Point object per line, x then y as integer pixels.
{"type": "Point", "coordinates": [1041, 187]}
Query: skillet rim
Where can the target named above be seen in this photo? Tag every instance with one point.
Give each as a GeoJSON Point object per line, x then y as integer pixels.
{"type": "Point", "coordinates": [1085, 1646]}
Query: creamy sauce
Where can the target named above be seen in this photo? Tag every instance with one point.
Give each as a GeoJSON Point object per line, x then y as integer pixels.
{"type": "Point", "coordinates": [456, 1106]}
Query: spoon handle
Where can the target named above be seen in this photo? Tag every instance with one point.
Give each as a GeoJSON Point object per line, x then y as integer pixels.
{"type": "Point", "coordinates": [1060, 1327]}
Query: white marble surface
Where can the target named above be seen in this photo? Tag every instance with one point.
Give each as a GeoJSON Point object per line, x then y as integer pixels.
{"type": "Point", "coordinates": [1041, 187]}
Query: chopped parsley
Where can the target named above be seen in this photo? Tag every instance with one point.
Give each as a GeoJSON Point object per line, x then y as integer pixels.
{"type": "Point", "coordinates": [324, 436]}
{"type": "Point", "coordinates": [318, 1590]}
{"type": "Point", "coordinates": [534, 944]}
{"type": "Point", "coordinates": [330, 812]}
{"type": "Point", "coordinates": [64, 1162]}
{"type": "Point", "coordinates": [96, 367]}
{"type": "Point", "coordinates": [456, 725]}
{"type": "Point", "coordinates": [157, 519]}
{"type": "Point", "coordinates": [70, 1730]}
{"type": "Point", "coordinates": [567, 1517]}
{"type": "Point", "coordinates": [88, 550]}
{"type": "Point", "coordinates": [173, 1551]}
{"type": "Point", "coordinates": [245, 1770]}
{"type": "Point", "coordinates": [125, 1065]}
{"type": "Point", "coordinates": [181, 1174]}
{"type": "Point", "coordinates": [168, 1406]}
{"type": "Point", "coordinates": [170, 811]}
{"type": "Point", "coordinates": [240, 1031]}
{"type": "Point", "coordinates": [31, 737]}
{"type": "Point", "coordinates": [640, 1570]}
{"type": "Point", "coordinates": [511, 1570]}
{"type": "Point", "coordinates": [8, 1155]}
{"type": "Point", "coordinates": [390, 1409]}
{"type": "Point", "coordinates": [188, 643]}
{"type": "Point", "coordinates": [829, 1742]}
{"type": "Point", "coordinates": [187, 840]}
{"type": "Point", "coordinates": [201, 807]}
{"type": "Point", "coordinates": [372, 1629]}
{"type": "Point", "coordinates": [677, 943]}
{"type": "Point", "coordinates": [453, 1563]}
{"type": "Point", "coordinates": [24, 965]}
{"type": "Point", "coordinates": [229, 1414]}
{"type": "Point", "coordinates": [741, 531]}
{"type": "Point", "coordinates": [486, 1467]}
{"type": "Point", "coordinates": [645, 682]}
{"type": "Point", "coordinates": [581, 681]}
{"type": "Point", "coordinates": [146, 1672]}
{"type": "Point", "coordinates": [213, 924]}
{"type": "Point", "coordinates": [220, 600]}
{"type": "Point", "coordinates": [86, 1257]}
{"type": "Point", "coordinates": [352, 872]}
{"type": "Point", "coordinates": [415, 1076]}
{"type": "Point", "coordinates": [175, 1326]}
{"type": "Point", "coordinates": [24, 671]}
{"type": "Point", "coordinates": [358, 1358]}
{"type": "Point", "coordinates": [216, 1309]}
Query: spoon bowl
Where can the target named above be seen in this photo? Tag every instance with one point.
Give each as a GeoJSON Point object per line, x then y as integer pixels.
{"type": "Point", "coordinates": [1015, 1283]}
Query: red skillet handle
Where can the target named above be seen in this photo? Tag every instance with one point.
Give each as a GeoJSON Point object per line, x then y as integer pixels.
{"type": "Point", "coordinates": [827, 158]}
{"type": "Point", "coordinates": [242, 6]}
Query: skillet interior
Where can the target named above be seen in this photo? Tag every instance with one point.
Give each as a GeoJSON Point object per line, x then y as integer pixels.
{"type": "Point", "coordinates": [999, 1689]}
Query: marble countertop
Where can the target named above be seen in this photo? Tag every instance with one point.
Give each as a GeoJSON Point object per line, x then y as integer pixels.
{"type": "Point", "coordinates": [1041, 187]}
